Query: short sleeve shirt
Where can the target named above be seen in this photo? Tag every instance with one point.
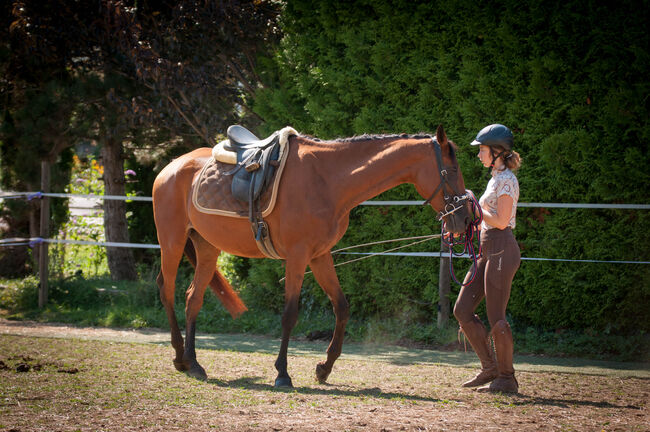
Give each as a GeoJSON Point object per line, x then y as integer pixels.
{"type": "Point", "coordinates": [502, 183]}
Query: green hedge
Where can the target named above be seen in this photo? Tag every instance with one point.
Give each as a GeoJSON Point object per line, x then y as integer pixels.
{"type": "Point", "coordinates": [569, 78]}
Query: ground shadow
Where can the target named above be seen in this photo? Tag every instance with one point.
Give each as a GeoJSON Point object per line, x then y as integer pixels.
{"type": "Point", "coordinates": [566, 403]}
{"type": "Point", "coordinates": [255, 383]}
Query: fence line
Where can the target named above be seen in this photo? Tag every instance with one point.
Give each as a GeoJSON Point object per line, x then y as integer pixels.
{"type": "Point", "coordinates": [31, 242]}
{"type": "Point", "coordinates": [34, 195]}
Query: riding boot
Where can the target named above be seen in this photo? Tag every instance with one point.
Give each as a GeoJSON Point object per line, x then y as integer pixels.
{"type": "Point", "coordinates": [505, 382]}
{"type": "Point", "coordinates": [477, 335]}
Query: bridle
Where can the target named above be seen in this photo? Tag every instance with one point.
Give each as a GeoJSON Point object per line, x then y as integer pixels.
{"type": "Point", "coordinates": [455, 201]}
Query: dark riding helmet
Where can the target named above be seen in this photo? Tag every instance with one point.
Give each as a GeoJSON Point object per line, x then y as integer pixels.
{"type": "Point", "coordinates": [495, 135]}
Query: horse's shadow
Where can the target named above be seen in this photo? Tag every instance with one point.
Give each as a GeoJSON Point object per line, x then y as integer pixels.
{"type": "Point", "coordinates": [519, 399]}
{"type": "Point", "coordinates": [254, 383]}
{"type": "Point", "coordinates": [524, 399]}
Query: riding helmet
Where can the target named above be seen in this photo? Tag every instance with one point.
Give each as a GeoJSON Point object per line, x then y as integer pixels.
{"type": "Point", "coordinates": [495, 135]}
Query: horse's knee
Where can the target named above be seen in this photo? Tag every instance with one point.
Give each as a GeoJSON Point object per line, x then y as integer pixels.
{"type": "Point", "coordinates": [166, 295]}
{"type": "Point", "coordinates": [290, 314]}
{"type": "Point", "coordinates": [342, 310]}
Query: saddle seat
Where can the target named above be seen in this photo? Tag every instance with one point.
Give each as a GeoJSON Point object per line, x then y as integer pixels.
{"type": "Point", "coordinates": [241, 138]}
{"type": "Point", "coordinates": [255, 160]}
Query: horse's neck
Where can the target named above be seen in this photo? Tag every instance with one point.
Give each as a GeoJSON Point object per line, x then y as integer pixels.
{"type": "Point", "coordinates": [364, 169]}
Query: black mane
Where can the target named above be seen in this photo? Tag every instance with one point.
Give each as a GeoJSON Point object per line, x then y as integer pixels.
{"type": "Point", "coordinates": [377, 137]}
{"type": "Point", "coordinates": [368, 137]}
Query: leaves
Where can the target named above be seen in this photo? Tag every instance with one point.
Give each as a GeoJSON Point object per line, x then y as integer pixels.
{"type": "Point", "coordinates": [570, 84]}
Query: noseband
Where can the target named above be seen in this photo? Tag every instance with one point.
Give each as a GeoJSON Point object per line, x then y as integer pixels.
{"type": "Point", "coordinates": [454, 200]}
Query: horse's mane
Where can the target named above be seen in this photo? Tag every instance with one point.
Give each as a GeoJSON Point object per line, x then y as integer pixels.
{"type": "Point", "coordinates": [377, 137]}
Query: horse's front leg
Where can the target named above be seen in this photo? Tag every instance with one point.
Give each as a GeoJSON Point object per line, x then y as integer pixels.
{"type": "Point", "coordinates": [294, 274]}
{"type": "Point", "coordinates": [323, 269]}
{"type": "Point", "coordinates": [206, 259]}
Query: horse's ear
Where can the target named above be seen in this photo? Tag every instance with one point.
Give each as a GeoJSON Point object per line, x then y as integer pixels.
{"type": "Point", "coordinates": [441, 136]}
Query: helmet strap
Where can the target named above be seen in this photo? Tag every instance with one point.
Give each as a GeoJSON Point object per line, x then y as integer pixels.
{"type": "Point", "coordinates": [494, 158]}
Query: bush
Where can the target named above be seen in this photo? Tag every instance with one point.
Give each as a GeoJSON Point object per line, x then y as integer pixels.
{"type": "Point", "coordinates": [570, 84]}
{"type": "Point", "coordinates": [18, 295]}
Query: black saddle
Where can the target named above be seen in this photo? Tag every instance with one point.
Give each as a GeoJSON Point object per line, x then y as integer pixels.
{"type": "Point", "coordinates": [241, 138]}
{"type": "Point", "coordinates": [256, 163]}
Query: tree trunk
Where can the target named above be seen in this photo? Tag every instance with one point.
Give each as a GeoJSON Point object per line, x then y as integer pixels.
{"type": "Point", "coordinates": [120, 259]}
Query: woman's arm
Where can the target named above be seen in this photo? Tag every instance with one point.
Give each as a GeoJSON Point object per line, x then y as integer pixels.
{"type": "Point", "coordinates": [502, 217]}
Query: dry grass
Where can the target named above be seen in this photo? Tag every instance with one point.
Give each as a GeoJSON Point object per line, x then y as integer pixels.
{"type": "Point", "coordinates": [83, 385]}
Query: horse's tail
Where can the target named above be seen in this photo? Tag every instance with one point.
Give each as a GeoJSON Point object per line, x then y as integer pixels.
{"type": "Point", "coordinates": [219, 285]}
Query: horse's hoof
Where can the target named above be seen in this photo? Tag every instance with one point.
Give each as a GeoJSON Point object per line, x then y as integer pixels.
{"type": "Point", "coordinates": [283, 382]}
{"type": "Point", "coordinates": [198, 373]}
{"type": "Point", "coordinates": [180, 366]}
{"type": "Point", "coordinates": [322, 373]}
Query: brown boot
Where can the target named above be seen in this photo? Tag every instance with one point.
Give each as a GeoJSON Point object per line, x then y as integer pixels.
{"type": "Point", "coordinates": [477, 335]}
{"type": "Point", "coordinates": [505, 382]}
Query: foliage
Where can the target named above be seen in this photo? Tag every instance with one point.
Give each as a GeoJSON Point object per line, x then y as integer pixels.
{"type": "Point", "coordinates": [569, 78]}
{"type": "Point", "coordinates": [19, 294]}
{"type": "Point", "coordinates": [122, 72]}
{"type": "Point", "coordinates": [68, 259]}
{"type": "Point", "coordinates": [100, 301]}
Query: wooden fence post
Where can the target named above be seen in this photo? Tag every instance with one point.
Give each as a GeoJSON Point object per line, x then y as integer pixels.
{"type": "Point", "coordinates": [44, 234]}
{"type": "Point", "coordinates": [444, 286]}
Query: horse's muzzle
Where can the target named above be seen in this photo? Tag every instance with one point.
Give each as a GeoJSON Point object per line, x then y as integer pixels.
{"type": "Point", "coordinates": [457, 217]}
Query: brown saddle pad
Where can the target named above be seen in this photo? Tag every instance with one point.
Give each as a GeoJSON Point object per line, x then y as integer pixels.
{"type": "Point", "coordinates": [212, 191]}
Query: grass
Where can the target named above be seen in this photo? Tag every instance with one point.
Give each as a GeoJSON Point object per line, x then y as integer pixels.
{"type": "Point", "coordinates": [99, 301]}
{"type": "Point", "coordinates": [76, 384]}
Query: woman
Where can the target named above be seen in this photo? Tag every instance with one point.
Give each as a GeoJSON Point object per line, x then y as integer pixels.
{"type": "Point", "coordinates": [497, 266]}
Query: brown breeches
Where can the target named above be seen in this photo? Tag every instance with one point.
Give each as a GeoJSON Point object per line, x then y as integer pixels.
{"type": "Point", "coordinates": [495, 271]}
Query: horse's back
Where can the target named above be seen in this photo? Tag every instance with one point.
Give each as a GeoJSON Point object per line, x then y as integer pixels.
{"type": "Point", "coordinates": [182, 167]}
{"type": "Point", "coordinates": [171, 188]}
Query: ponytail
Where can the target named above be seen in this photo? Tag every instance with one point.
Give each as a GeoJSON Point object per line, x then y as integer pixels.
{"type": "Point", "coordinates": [512, 160]}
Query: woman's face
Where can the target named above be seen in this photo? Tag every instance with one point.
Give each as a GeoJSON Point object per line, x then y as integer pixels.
{"type": "Point", "coordinates": [485, 155]}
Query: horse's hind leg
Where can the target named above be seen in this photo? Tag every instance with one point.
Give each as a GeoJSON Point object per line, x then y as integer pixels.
{"type": "Point", "coordinates": [206, 259]}
{"type": "Point", "coordinates": [170, 257]}
{"type": "Point", "coordinates": [323, 269]}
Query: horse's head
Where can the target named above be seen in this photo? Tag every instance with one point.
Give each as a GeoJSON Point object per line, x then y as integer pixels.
{"type": "Point", "coordinates": [445, 185]}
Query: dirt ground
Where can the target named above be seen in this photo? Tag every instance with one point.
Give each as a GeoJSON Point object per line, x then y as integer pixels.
{"type": "Point", "coordinates": [56, 377]}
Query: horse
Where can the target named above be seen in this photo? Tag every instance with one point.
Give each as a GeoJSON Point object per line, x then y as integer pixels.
{"type": "Point", "coordinates": [321, 183]}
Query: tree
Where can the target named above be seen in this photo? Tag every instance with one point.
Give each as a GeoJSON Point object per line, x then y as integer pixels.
{"type": "Point", "coordinates": [185, 69]}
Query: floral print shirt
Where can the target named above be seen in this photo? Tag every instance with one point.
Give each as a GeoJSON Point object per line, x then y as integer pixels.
{"type": "Point", "coordinates": [502, 183]}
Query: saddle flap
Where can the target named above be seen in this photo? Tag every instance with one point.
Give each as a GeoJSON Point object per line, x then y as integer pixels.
{"type": "Point", "coordinates": [248, 185]}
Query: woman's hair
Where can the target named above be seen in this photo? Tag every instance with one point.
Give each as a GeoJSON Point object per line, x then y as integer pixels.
{"type": "Point", "coordinates": [511, 158]}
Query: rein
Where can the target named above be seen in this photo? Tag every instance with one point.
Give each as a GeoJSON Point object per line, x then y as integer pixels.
{"type": "Point", "coordinates": [418, 239]}
{"type": "Point", "coordinates": [465, 239]}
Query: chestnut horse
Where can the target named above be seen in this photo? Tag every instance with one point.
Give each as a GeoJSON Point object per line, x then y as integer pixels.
{"type": "Point", "coordinates": [322, 181]}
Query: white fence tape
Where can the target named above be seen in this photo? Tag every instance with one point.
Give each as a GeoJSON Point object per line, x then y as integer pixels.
{"type": "Point", "coordinates": [35, 240]}
{"type": "Point", "coordinates": [33, 195]}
